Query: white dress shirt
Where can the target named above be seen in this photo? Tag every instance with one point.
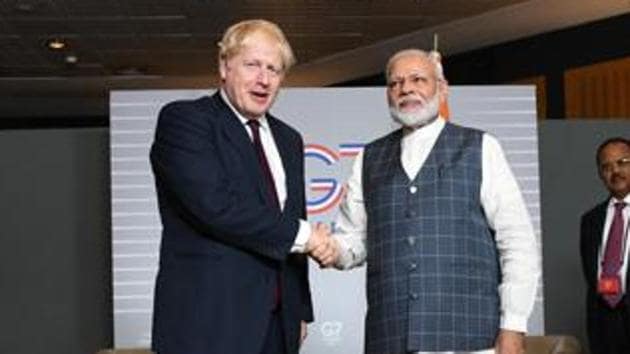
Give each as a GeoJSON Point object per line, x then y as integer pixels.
{"type": "Point", "coordinates": [502, 203]}
{"type": "Point", "coordinates": [610, 213]}
{"type": "Point", "coordinates": [277, 170]}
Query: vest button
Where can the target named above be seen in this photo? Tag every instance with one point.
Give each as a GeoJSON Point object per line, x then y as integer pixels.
{"type": "Point", "coordinates": [412, 266]}
{"type": "Point", "coordinates": [413, 189]}
{"type": "Point", "coordinates": [411, 240]}
{"type": "Point", "coordinates": [413, 296]}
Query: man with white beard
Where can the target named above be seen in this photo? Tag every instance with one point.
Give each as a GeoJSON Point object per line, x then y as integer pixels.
{"type": "Point", "coordinates": [434, 210]}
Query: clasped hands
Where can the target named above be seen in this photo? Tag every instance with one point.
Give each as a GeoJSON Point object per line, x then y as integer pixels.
{"type": "Point", "coordinates": [321, 246]}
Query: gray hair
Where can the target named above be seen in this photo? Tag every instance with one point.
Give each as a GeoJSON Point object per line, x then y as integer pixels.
{"type": "Point", "coordinates": [433, 57]}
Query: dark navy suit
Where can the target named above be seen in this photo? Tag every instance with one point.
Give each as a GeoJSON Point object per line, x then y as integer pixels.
{"type": "Point", "coordinates": [608, 329]}
{"type": "Point", "coordinates": [224, 246]}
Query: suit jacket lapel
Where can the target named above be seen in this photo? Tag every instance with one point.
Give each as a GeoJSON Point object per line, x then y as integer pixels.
{"type": "Point", "coordinates": [235, 132]}
{"type": "Point", "coordinates": [597, 231]}
{"type": "Point", "coordinates": [598, 227]}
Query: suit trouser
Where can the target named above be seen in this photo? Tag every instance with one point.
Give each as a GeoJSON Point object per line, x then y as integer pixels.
{"type": "Point", "coordinates": [274, 340]}
{"type": "Point", "coordinates": [609, 329]}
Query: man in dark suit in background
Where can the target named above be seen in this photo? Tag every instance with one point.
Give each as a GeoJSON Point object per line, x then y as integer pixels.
{"type": "Point", "coordinates": [233, 275]}
{"type": "Point", "coordinates": [604, 249]}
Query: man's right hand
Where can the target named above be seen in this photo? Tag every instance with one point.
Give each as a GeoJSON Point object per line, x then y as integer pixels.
{"type": "Point", "coordinates": [321, 246]}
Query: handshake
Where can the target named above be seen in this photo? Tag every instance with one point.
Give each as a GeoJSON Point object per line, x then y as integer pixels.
{"type": "Point", "coordinates": [321, 246]}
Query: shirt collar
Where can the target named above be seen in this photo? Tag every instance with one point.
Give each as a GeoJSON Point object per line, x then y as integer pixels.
{"type": "Point", "coordinates": [264, 123]}
{"type": "Point", "coordinates": [613, 200]}
{"type": "Point", "coordinates": [430, 130]}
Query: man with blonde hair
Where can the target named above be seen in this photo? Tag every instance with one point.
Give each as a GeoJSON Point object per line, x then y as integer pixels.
{"type": "Point", "coordinates": [233, 273]}
{"type": "Point", "coordinates": [436, 213]}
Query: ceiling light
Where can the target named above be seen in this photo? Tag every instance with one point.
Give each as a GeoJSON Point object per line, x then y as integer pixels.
{"type": "Point", "coordinates": [71, 59]}
{"type": "Point", "coordinates": [56, 44]}
{"type": "Point", "coordinates": [130, 71]}
{"type": "Point", "coordinates": [24, 6]}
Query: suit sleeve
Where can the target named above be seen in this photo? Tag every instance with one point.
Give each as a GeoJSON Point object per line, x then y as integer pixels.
{"type": "Point", "coordinates": [190, 173]}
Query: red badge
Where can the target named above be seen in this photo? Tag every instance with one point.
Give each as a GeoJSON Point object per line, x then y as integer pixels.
{"type": "Point", "coordinates": [609, 285]}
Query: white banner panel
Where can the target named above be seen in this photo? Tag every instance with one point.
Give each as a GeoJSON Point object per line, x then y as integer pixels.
{"type": "Point", "coordinates": [335, 123]}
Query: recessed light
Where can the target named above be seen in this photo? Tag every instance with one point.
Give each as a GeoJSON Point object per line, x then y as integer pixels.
{"type": "Point", "coordinates": [56, 44]}
{"type": "Point", "coordinates": [71, 59]}
{"type": "Point", "coordinates": [130, 71]}
{"type": "Point", "coordinates": [24, 6]}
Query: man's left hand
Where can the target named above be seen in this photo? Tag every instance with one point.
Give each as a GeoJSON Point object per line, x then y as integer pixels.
{"type": "Point", "coordinates": [510, 342]}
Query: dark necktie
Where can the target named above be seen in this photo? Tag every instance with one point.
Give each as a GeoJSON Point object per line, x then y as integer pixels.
{"type": "Point", "coordinates": [272, 194]}
{"type": "Point", "coordinates": [613, 254]}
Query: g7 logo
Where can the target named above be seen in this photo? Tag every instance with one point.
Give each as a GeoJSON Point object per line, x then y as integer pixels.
{"type": "Point", "coordinates": [331, 329]}
{"type": "Point", "coordinates": [331, 189]}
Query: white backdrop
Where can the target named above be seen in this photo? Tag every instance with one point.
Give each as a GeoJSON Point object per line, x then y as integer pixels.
{"type": "Point", "coordinates": [335, 123]}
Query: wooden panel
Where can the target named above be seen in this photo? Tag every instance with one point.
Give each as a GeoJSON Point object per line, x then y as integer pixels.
{"type": "Point", "coordinates": [541, 93]}
{"type": "Point", "coordinates": [599, 90]}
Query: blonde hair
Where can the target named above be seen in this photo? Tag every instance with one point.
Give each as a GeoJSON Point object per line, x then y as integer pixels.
{"type": "Point", "coordinates": [433, 57]}
{"type": "Point", "coordinates": [237, 35]}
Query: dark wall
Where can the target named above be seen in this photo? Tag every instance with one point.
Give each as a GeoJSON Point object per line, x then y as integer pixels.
{"type": "Point", "coordinates": [569, 187]}
{"type": "Point", "coordinates": [55, 241]}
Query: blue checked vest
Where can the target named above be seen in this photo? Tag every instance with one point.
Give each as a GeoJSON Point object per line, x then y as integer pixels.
{"type": "Point", "coordinates": [432, 266]}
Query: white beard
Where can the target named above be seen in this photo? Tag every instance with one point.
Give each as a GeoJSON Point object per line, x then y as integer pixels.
{"type": "Point", "coordinates": [423, 116]}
